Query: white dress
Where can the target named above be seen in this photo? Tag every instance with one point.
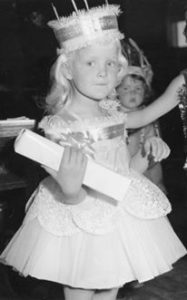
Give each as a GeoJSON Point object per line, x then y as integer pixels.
{"type": "Point", "coordinates": [99, 243]}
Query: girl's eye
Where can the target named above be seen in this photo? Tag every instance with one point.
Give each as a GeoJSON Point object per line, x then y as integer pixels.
{"type": "Point", "coordinates": [111, 63]}
{"type": "Point", "coordinates": [139, 89]}
{"type": "Point", "coordinates": [125, 88]}
{"type": "Point", "coordinates": [90, 63]}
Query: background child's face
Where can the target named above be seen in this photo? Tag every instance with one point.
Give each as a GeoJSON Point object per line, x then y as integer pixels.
{"type": "Point", "coordinates": [131, 92]}
{"type": "Point", "coordinates": [94, 70]}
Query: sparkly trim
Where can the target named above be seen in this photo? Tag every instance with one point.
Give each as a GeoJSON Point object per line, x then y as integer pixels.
{"type": "Point", "coordinates": [85, 26]}
{"type": "Point", "coordinates": [149, 203]}
{"type": "Point", "coordinates": [74, 18]}
{"type": "Point", "coordinates": [56, 126]}
{"type": "Point", "coordinates": [84, 41]}
{"type": "Point", "coordinates": [92, 215]}
{"type": "Point", "coordinates": [97, 214]}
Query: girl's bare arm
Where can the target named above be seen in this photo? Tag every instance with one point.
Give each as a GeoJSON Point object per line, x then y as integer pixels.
{"type": "Point", "coordinates": [166, 102]}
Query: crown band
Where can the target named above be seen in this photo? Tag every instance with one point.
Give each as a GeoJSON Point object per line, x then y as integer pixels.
{"type": "Point", "coordinates": [103, 23]}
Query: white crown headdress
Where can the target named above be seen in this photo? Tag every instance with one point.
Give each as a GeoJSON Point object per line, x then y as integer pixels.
{"type": "Point", "coordinates": [143, 68]}
{"type": "Point", "coordinates": [82, 27]}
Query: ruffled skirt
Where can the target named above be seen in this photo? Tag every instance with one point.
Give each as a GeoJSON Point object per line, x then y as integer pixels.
{"type": "Point", "coordinates": [135, 249]}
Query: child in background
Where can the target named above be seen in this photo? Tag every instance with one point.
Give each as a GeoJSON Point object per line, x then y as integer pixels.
{"type": "Point", "coordinates": [134, 93]}
{"type": "Point", "coordinates": [74, 235]}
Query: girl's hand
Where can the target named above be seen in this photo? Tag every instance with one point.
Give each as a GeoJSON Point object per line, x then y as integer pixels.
{"type": "Point", "coordinates": [70, 174]}
{"type": "Point", "coordinates": [157, 148]}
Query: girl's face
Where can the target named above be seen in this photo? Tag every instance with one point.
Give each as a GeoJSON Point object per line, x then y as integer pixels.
{"type": "Point", "coordinates": [131, 92]}
{"type": "Point", "coordinates": [94, 71]}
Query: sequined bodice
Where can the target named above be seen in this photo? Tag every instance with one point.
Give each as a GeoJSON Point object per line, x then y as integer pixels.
{"type": "Point", "coordinates": [104, 137]}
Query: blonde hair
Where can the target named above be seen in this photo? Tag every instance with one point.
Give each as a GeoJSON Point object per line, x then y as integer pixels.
{"type": "Point", "coordinates": [61, 89]}
{"type": "Point", "coordinates": [60, 86]}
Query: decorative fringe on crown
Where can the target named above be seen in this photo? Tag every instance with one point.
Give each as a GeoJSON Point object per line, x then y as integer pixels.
{"type": "Point", "coordinates": [138, 63]}
{"type": "Point", "coordinates": [83, 27]}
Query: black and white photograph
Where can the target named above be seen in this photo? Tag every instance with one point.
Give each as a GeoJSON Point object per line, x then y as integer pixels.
{"type": "Point", "coordinates": [93, 149]}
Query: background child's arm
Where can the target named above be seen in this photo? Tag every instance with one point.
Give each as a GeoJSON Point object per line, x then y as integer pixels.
{"type": "Point", "coordinates": [139, 163]}
{"type": "Point", "coordinates": [167, 101]}
{"type": "Point", "coordinates": [153, 147]}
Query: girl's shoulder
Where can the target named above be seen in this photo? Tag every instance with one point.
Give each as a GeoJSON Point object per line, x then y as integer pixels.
{"type": "Point", "coordinates": [55, 125]}
{"type": "Point", "coordinates": [57, 120]}
{"type": "Point", "coordinates": [66, 121]}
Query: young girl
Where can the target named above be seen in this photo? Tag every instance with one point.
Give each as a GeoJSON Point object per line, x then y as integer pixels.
{"type": "Point", "coordinates": [133, 93]}
{"type": "Point", "coordinates": [71, 234]}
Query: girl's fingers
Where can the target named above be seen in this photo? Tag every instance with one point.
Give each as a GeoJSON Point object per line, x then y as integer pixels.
{"type": "Point", "coordinates": [167, 151]}
{"type": "Point", "coordinates": [81, 158]}
{"type": "Point", "coordinates": [65, 156]}
{"type": "Point", "coordinates": [157, 148]}
{"type": "Point", "coordinates": [161, 151]}
{"type": "Point", "coordinates": [73, 158]}
{"type": "Point", "coordinates": [68, 156]}
{"type": "Point", "coordinates": [84, 162]}
{"type": "Point", "coordinates": [147, 147]}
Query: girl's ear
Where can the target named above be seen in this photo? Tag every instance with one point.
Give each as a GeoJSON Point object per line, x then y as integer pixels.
{"type": "Point", "coordinates": [66, 69]}
{"type": "Point", "coordinates": [63, 67]}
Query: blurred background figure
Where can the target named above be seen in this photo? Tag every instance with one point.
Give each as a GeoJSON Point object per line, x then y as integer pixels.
{"type": "Point", "coordinates": [134, 93]}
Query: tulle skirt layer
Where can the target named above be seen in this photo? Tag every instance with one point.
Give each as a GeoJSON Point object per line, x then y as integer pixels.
{"type": "Point", "coordinates": [136, 249]}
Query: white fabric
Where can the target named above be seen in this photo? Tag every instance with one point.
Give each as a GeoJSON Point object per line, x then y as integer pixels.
{"type": "Point", "coordinates": [98, 243]}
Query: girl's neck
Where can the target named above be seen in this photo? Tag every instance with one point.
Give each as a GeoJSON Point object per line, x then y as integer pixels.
{"type": "Point", "coordinates": [84, 107]}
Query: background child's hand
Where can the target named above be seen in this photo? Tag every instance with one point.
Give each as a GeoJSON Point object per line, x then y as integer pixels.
{"type": "Point", "coordinates": [70, 174]}
{"type": "Point", "coordinates": [157, 148]}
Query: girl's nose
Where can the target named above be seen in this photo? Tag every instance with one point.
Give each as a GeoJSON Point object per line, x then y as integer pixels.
{"type": "Point", "coordinates": [102, 71]}
{"type": "Point", "coordinates": [132, 92]}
